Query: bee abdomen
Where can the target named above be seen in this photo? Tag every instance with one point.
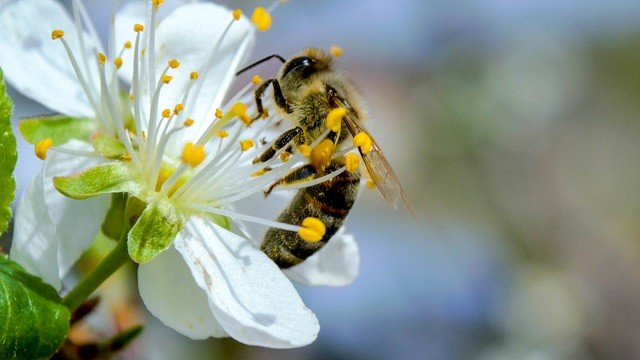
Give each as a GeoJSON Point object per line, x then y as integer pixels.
{"type": "Point", "coordinates": [329, 201]}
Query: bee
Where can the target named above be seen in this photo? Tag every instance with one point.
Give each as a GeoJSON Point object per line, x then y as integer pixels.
{"type": "Point", "coordinates": [306, 89]}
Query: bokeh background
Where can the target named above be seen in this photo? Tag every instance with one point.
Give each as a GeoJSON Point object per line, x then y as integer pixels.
{"type": "Point", "coordinates": [514, 127]}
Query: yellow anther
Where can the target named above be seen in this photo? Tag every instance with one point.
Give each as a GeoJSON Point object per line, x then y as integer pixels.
{"type": "Point", "coordinates": [173, 63]}
{"type": "Point", "coordinates": [352, 162]}
{"type": "Point", "coordinates": [126, 157]}
{"type": "Point", "coordinates": [166, 113]}
{"type": "Point", "coordinates": [192, 154]}
{"type": "Point", "coordinates": [138, 27]}
{"type": "Point", "coordinates": [246, 144]}
{"type": "Point", "coordinates": [335, 51]}
{"type": "Point", "coordinates": [219, 113]}
{"type": "Point", "coordinates": [222, 134]}
{"type": "Point", "coordinates": [261, 18]}
{"type": "Point", "coordinates": [144, 135]}
{"type": "Point", "coordinates": [166, 78]}
{"type": "Point", "coordinates": [334, 119]}
{"type": "Point", "coordinates": [370, 184]}
{"type": "Point", "coordinates": [142, 52]}
{"type": "Point", "coordinates": [163, 175]}
{"type": "Point", "coordinates": [259, 172]}
{"type": "Point", "coordinates": [131, 96]}
{"type": "Point", "coordinates": [55, 34]}
{"type": "Point", "coordinates": [239, 108]}
{"type": "Point", "coordinates": [179, 107]}
{"type": "Point", "coordinates": [256, 80]}
{"type": "Point", "coordinates": [312, 229]}
{"type": "Point", "coordinates": [156, 3]}
{"type": "Point", "coordinates": [127, 45]}
{"type": "Point", "coordinates": [101, 58]}
{"type": "Point", "coordinates": [305, 150]}
{"type": "Point", "coordinates": [284, 156]}
{"type": "Point", "coordinates": [188, 122]}
{"type": "Point", "coordinates": [193, 75]}
{"type": "Point", "coordinates": [363, 141]}
{"type": "Point", "coordinates": [237, 13]}
{"type": "Point", "coordinates": [117, 62]}
{"type": "Point", "coordinates": [321, 154]}
{"type": "Point", "coordinates": [41, 148]}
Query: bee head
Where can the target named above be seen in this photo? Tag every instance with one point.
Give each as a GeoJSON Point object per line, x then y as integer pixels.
{"type": "Point", "coordinates": [305, 64]}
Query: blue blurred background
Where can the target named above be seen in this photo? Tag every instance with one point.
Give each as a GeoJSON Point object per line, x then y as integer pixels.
{"type": "Point", "coordinates": [514, 127]}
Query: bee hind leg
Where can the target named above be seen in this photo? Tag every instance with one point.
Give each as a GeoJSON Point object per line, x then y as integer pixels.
{"type": "Point", "coordinates": [300, 174]}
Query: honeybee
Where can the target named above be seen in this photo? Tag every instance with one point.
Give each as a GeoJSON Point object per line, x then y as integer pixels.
{"type": "Point", "coordinates": [306, 90]}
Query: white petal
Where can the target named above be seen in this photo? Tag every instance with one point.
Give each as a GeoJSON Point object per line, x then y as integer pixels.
{"type": "Point", "coordinates": [169, 292]}
{"type": "Point", "coordinates": [51, 231]}
{"type": "Point", "coordinates": [336, 264]}
{"type": "Point", "coordinates": [251, 299]}
{"type": "Point", "coordinates": [37, 66]}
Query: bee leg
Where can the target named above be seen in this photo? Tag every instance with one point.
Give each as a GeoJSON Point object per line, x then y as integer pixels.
{"type": "Point", "coordinates": [299, 174]}
{"type": "Point", "coordinates": [277, 93]}
{"type": "Point", "coordinates": [294, 135]}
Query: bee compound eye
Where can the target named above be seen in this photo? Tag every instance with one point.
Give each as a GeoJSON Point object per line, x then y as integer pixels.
{"type": "Point", "coordinates": [302, 62]}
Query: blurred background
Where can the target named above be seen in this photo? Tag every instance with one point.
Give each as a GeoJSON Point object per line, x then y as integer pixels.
{"type": "Point", "coordinates": [514, 127]}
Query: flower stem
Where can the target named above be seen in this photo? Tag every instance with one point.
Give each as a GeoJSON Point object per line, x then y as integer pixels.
{"type": "Point", "coordinates": [81, 292]}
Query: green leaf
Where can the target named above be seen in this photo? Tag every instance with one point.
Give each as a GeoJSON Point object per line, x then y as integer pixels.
{"type": "Point", "coordinates": [157, 226]}
{"type": "Point", "coordinates": [8, 156]}
{"type": "Point", "coordinates": [34, 321]}
{"type": "Point", "coordinates": [112, 177]}
{"type": "Point", "coordinates": [59, 128]}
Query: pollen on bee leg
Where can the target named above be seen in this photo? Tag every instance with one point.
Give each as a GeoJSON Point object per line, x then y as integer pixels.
{"type": "Point", "coordinates": [352, 162]}
{"type": "Point", "coordinates": [56, 34]}
{"type": "Point", "coordinates": [261, 18]}
{"type": "Point", "coordinates": [284, 156]}
{"type": "Point", "coordinates": [363, 141]}
{"type": "Point", "coordinates": [305, 150]}
{"type": "Point", "coordinates": [259, 172]}
{"type": "Point", "coordinates": [41, 148]}
{"type": "Point", "coordinates": [334, 118]}
{"type": "Point", "coordinates": [321, 154]}
{"type": "Point", "coordinates": [312, 229]}
{"type": "Point", "coordinates": [192, 154]}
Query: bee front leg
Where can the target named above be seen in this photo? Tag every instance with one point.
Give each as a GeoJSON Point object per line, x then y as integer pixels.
{"type": "Point", "coordinates": [302, 173]}
{"type": "Point", "coordinates": [292, 135]}
{"type": "Point", "coordinates": [281, 102]}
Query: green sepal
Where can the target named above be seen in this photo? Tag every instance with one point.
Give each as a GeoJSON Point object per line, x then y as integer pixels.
{"type": "Point", "coordinates": [108, 146]}
{"type": "Point", "coordinates": [112, 177]}
{"type": "Point", "coordinates": [34, 321]}
{"type": "Point", "coordinates": [8, 156]}
{"type": "Point", "coordinates": [154, 230]}
{"type": "Point", "coordinates": [113, 222]}
{"type": "Point", "coordinates": [59, 128]}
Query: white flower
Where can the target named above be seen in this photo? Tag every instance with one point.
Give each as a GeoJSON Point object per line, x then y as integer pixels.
{"type": "Point", "coordinates": [212, 281]}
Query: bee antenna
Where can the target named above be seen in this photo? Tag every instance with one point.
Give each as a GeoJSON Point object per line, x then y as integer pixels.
{"type": "Point", "coordinates": [261, 61]}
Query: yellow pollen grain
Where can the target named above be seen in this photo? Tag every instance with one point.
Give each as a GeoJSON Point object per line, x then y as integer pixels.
{"type": "Point", "coordinates": [56, 34]}
{"type": "Point", "coordinates": [219, 113]}
{"type": "Point", "coordinates": [126, 157]}
{"type": "Point", "coordinates": [363, 141]}
{"type": "Point", "coordinates": [117, 62]}
{"type": "Point", "coordinates": [188, 122]}
{"type": "Point", "coordinates": [335, 51]}
{"type": "Point", "coordinates": [179, 107]}
{"type": "Point", "coordinates": [127, 45]}
{"type": "Point", "coordinates": [284, 156]}
{"type": "Point", "coordinates": [166, 113]}
{"type": "Point", "coordinates": [222, 134]}
{"type": "Point", "coordinates": [101, 58]}
{"type": "Point", "coordinates": [256, 80]}
{"type": "Point", "coordinates": [174, 63]}
{"type": "Point", "coordinates": [193, 75]}
{"type": "Point", "coordinates": [138, 27]}
{"type": "Point", "coordinates": [370, 184]}
{"type": "Point", "coordinates": [334, 119]}
{"type": "Point", "coordinates": [305, 150]}
{"type": "Point", "coordinates": [246, 144]}
{"type": "Point", "coordinates": [192, 155]}
{"type": "Point", "coordinates": [237, 13]}
{"type": "Point", "coordinates": [41, 148]}
{"type": "Point", "coordinates": [259, 172]}
{"type": "Point", "coordinates": [352, 162]}
{"type": "Point", "coordinates": [321, 154]}
{"type": "Point", "coordinates": [166, 78]}
{"type": "Point", "coordinates": [312, 229]}
{"type": "Point", "coordinates": [261, 18]}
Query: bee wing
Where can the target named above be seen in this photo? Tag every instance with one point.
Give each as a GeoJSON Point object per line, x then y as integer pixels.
{"type": "Point", "coordinates": [377, 165]}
